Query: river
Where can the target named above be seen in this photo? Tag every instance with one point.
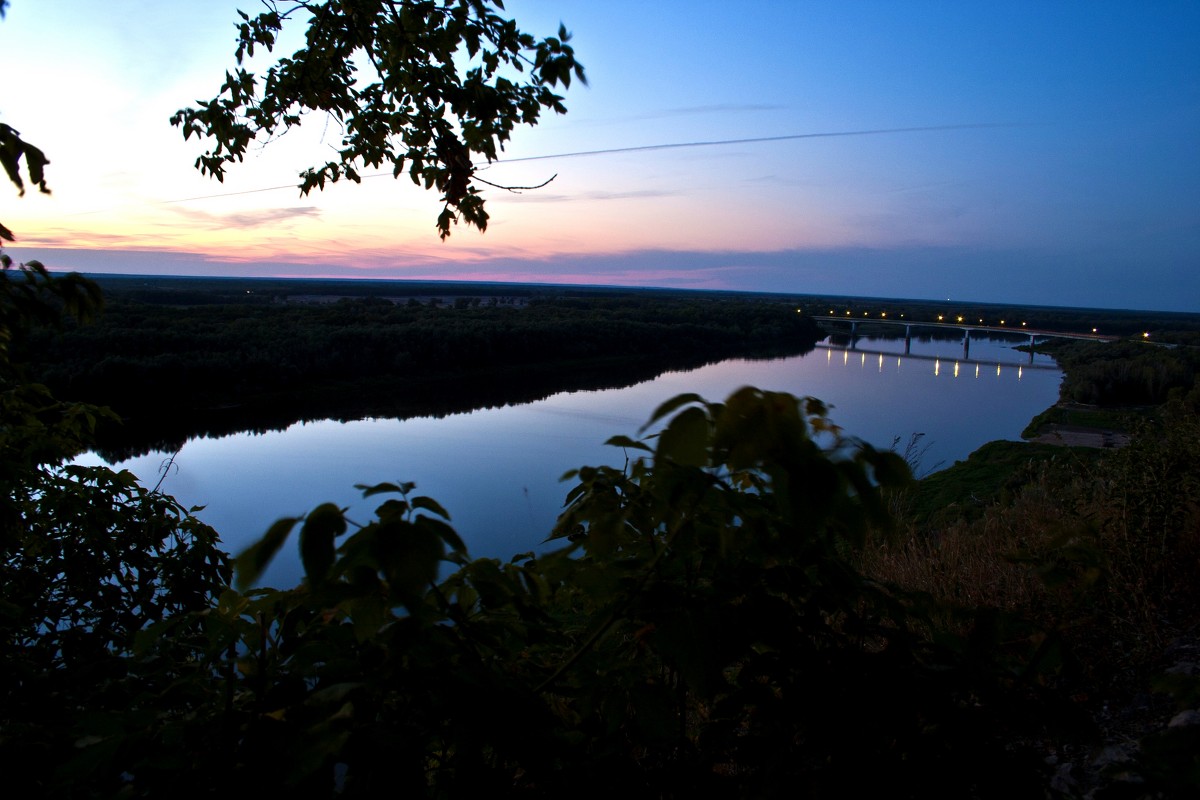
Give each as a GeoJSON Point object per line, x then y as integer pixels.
{"type": "Point", "coordinates": [497, 470]}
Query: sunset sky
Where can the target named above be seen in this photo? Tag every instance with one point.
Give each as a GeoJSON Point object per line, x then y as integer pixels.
{"type": "Point", "coordinates": [1051, 154]}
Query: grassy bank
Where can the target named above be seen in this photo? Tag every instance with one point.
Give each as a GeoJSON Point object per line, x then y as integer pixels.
{"type": "Point", "coordinates": [1091, 554]}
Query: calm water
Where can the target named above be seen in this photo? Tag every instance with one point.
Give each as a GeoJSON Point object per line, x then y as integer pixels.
{"type": "Point", "coordinates": [497, 470]}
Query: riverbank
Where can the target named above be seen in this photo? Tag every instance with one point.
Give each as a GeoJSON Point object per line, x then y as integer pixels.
{"type": "Point", "coordinates": [1085, 539]}
{"type": "Point", "coordinates": [1074, 436]}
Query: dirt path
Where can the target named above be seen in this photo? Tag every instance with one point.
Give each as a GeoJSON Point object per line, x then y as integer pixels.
{"type": "Point", "coordinates": [1078, 436]}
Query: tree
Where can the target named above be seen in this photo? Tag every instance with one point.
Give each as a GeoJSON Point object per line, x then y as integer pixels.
{"type": "Point", "coordinates": [414, 84]}
{"type": "Point", "coordinates": [89, 559]}
{"type": "Point", "coordinates": [12, 151]}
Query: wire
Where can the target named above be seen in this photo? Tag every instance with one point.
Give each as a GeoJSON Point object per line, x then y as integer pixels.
{"type": "Point", "coordinates": [755, 140]}
{"type": "Point", "coordinates": [651, 147]}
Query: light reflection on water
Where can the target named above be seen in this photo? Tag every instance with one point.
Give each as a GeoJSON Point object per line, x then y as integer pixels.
{"type": "Point", "coordinates": [497, 470]}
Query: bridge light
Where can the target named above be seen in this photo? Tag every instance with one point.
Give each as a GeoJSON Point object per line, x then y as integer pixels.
{"type": "Point", "coordinates": [1093, 330]}
{"type": "Point", "coordinates": [1022, 324]}
{"type": "Point", "coordinates": [1146, 335]}
{"type": "Point", "coordinates": [865, 314]}
{"type": "Point", "coordinates": [960, 317]}
{"type": "Point", "coordinates": [883, 314]}
{"type": "Point", "coordinates": [1001, 322]}
{"type": "Point", "coordinates": [940, 317]}
{"type": "Point", "coordinates": [980, 322]}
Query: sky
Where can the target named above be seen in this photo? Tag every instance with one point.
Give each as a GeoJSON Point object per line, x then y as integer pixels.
{"type": "Point", "coordinates": [1026, 152]}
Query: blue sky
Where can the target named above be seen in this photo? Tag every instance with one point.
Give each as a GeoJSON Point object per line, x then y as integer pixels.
{"type": "Point", "coordinates": [1060, 163]}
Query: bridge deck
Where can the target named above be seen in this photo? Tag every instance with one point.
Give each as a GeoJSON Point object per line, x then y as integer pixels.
{"type": "Point", "coordinates": [962, 326]}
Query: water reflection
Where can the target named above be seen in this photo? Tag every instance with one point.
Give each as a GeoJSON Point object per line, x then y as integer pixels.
{"type": "Point", "coordinates": [497, 470]}
{"type": "Point", "coordinates": [1038, 363]}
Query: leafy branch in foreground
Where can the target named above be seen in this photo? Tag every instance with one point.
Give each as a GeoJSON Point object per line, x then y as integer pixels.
{"type": "Point", "coordinates": [13, 149]}
{"type": "Point", "coordinates": [89, 561]}
{"type": "Point", "coordinates": [414, 85]}
{"type": "Point", "coordinates": [701, 627]}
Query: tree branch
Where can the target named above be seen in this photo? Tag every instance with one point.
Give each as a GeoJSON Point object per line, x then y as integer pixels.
{"type": "Point", "coordinates": [516, 189]}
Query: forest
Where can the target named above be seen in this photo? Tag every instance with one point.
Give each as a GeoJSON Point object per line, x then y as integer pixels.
{"type": "Point", "coordinates": [187, 357]}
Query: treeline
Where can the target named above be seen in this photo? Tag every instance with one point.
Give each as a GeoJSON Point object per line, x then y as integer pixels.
{"type": "Point", "coordinates": [141, 355]}
{"type": "Point", "coordinates": [1127, 373]}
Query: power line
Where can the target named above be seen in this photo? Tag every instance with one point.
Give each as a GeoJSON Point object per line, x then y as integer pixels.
{"type": "Point", "coordinates": [235, 194]}
{"type": "Point", "coordinates": [651, 147]}
{"type": "Point", "coordinates": [755, 140]}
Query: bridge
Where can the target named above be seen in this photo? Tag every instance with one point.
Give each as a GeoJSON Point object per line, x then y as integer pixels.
{"type": "Point", "coordinates": [966, 328]}
{"type": "Point", "coordinates": [933, 359]}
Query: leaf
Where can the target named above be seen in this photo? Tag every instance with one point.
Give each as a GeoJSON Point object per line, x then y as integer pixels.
{"type": "Point", "coordinates": [392, 509]}
{"type": "Point", "coordinates": [628, 443]}
{"type": "Point", "coordinates": [666, 408]}
{"type": "Point", "coordinates": [410, 558]}
{"type": "Point", "coordinates": [368, 615]}
{"type": "Point", "coordinates": [686, 439]}
{"type": "Point", "coordinates": [444, 531]}
{"type": "Point", "coordinates": [324, 523]}
{"type": "Point", "coordinates": [380, 488]}
{"type": "Point", "coordinates": [337, 693]}
{"type": "Point", "coordinates": [431, 505]}
{"type": "Point", "coordinates": [254, 559]}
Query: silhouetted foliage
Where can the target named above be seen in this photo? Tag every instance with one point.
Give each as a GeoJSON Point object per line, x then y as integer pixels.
{"type": "Point", "coordinates": [13, 151]}
{"type": "Point", "coordinates": [416, 86]}
{"type": "Point", "coordinates": [89, 560]}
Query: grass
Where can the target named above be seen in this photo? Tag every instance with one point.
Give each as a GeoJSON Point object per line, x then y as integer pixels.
{"type": "Point", "coordinates": [992, 473]}
{"type": "Point", "coordinates": [1100, 548]}
{"type": "Point", "coordinates": [1120, 420]}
